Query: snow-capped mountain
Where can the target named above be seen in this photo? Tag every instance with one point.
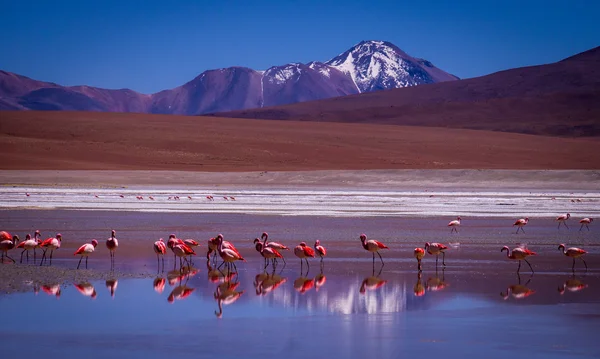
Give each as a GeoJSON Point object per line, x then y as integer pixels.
{"type": "Point", "coordinates": [380, 65]}
{"type": "Point", "coordinates": [367, 66]}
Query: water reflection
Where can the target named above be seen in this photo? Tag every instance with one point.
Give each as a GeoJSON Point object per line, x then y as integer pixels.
{"type": "Point", "coordinates": [226, 294]}
{"type": "Point", "coordinates": [419, 289]}
{"type": "Point", "coordinates": [265, 283]}
{"type": "Point", "coordinates": [518, 291]}
{"type": "Point", "coordinates": [303, 284]}
{"type": "Point", "coordinates": [86, 289]}
{"type": "Point", "coordinates": [159, 284]}
{"type": "Point", "coordinates": [178, 275]}
{"type": "Point", "coordinates": [572, 285]}
{"type": "Point", "coordinates": [435, 284]}
{"type": "Point", "coordinates": [180, 292]}
{"type": "Point", "coordinates": [372, 282]}
{"type": "Point", "coordinates": [218, 276]}
{"type": "Point", "coordinates": [111, 285]}
{"type": "Point", "coordinates": [52, 290]}
{"type": "Point", "coordinates": [320, 280]}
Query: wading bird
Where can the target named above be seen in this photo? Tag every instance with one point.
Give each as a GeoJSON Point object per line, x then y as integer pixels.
{"type": "Point", "coordinates": [573, 252]}
{"type": "Point", "coordinates": [419, 253]}
{"type": "Point", "coordinates": [303, 251]}
{"type": "Point", "coordinates": [520, 223]}
{"type": "Point", "coordinates": [229, 255]}
{"type": "Point", "coordinates": [562, 219]}
{"type": "Point", "coordinates": [50, 244]}
{"type": "Point", "coordinates": [7, 242]}
{"type": "Point", "coordinates": [85, 251]}
{"type": "Point", "coordinates": [112, 243]}
{"type": "Point", "coordinates": [454, 224]}
{"type": "Point", "coordinates": [268, 253]}
{"type": "Point", "coordinates": [519, 254]}
{"type": "Point", "coordinates": [160, 249]}
{"type": "Point", "coordinates": [373, 246]}
{"type": "Point", "coordinates": [320, 250]}
{"type": "Point", "coordinates": [585, 222]}
{"type": "Point", "coordinates": [436, 249]}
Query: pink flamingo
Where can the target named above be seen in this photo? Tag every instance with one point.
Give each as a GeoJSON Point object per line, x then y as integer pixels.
{"type": "Point", "coordinates": [181, 250]}
{"type": "Point", "coordinates": [373, 246]}
{"type": "Point", "coordinates": [519, 254]}
{"type": "Point", "coordinates": [436, 249]}
{"type": "Point", "coordinates": [85, 251]}
{"type": "Point", "coordinates": [268, 253]}
{"type": "Point", "coordinates": [573, 252]}
{"type": "Point", "coordinates": [303, 251]}
{"type": "Point", "coordinates": [160, 249]}
{"type": "Point", "coordinates": [112, 243]}
{"type": "Point", "coordinates": [171, 243]}
{"type": "Point", "coordinates": [520, 223]}
{"type": "Point", "coordinates": [50, 244]}
{"type": "Point", "coordinates": [7, 242]}
{"type": "Point", "coordinates": [229, 255]}
{"type": "Point", "coordinates": [191, 243]}
{"type": "Point", "coordinates": [419, 253]}
{"type": "Point", "coordinates": [29, 244]}
{"type": "Point", "coordinates": [454, 224]}
{"type": "Point", "coordinates": [585, 222]}
{"type": "Point", "coordinates": [320, 250]}
{"type": "Point", "coordinates": [270, 244]}
{"type": "Point", "coordinates": [562, 219]}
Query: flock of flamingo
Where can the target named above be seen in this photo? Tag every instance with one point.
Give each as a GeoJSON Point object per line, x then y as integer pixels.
{"type": "Point", "coordinates": [271, 251]}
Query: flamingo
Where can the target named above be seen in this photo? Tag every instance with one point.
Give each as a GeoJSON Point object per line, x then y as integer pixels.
{"type": "Point", "coordinates": [419, 253]}
{"type": "Point", "coordinates": [520, 223]}
{"type": "Point", "coordinates": [320, 250]}
{"type": "Point", "coordinates": [50, 244]}
{"type": "Point", "coordinates": [372, 246]}
{"type": "Point", "coordinates": [436, 249]}
{"type": "Point", "coordinates": [303, 251]}
{"type": "Point", "coordinates": [85, 251]}
{"type": "Point", "coordinates": [86, 289]}
{"type": "Point", "coordinates": [191, 243]}
{"type": "Point", "coordinates": [562, 219]}
{"type": "Point", "coordinates": [7, 242]}
{"type": "Point", "coordinates": [173, 240]}
{"type": "Point", "coordinates": [112, 243]}
{"type": "Point", "coordinates": [27, 245]}
{"type": "Point", "coordinates": [573, 252]}
{"type": "Point", "coordinates": [269, 244]}
{"type": "Point", "coordinates": [213, 245]}
{"type": "Point", "coordinates": [454, 224]}
{"type": "Point", "coordinates": [519, 254]}
{"type": "Point", "coordinates": [229, 255]}
{"type": "Point", "coordinates": [585, 222]}
{"type": "Point", "coordinates": [160, 249]}
{"type": "Point", "coordinates": [181, 250]}
{"type": "Point", "coordinates": [268, 253]}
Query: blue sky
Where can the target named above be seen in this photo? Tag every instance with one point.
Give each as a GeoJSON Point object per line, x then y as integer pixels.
{"type": "Point", "coordinates": [154, 45]}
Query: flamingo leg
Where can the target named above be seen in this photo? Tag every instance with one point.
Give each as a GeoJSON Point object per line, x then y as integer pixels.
{"type": "Point", "coordinates": [163, 263]}
{"type": "Point", "coordinates": [21, 261]}
{"type": "Point", "coordinates": [43, 257]}
{"type": "Point", "coordinates": [444, 258]}
{"type": "Point", "coordinates": [34, 256]}
{"type": "Point", "coordinates": [27, 257]}
{"type": "Point", "coordinates": [86, 260]}
{"type": "Point", "coordinates": [526, 261]}
{"type": "Point", "coordinates": [267, 264]}
{"type": "Point", "coordinates": [436, 260]}
{"type": "Point", "coordinates": [78, 264]}
{"type": "Point", "coordinates": [157, 262]}
{"type": "Point", "coordinates": [51, 253]}
{"type": "Point", "coordinates": [373, 259]}
{"type": "Point", "coordinates": [380, 259]}
{"type": "Point", "coordinates": [7, 256]}
{"type": "Point", "coordinates": [307, 265]}
{"type": "Point", "coordinates": [234, 267]}
{"type": "Point", "coordinates": [519, 267]}
{"type": "Point", "coordinates": [573, 266]}
{"type": "Point", "coordinates": [419, 265]}
{"type": "Point", "coordinates": [565, 223]}
{"type": "Point", "coordinates": [580, 228]}
{"type": "Point", "coordinates": [584, 263]}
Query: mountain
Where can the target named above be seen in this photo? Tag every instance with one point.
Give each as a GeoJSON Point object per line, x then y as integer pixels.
{"type": "Point", "coordinates": [561, 98]}
{"type": "Point", "coordinates": [367, 66]}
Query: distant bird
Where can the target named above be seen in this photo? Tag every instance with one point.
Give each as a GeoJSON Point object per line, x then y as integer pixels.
{"type": "Point", "coordinates": [190, 197]}
{"type": "Point", "coordinates": [121, 196]}
{"type": "Point", "coordinates": [112, 243]}
{"type": "Point", "coordinates": [320, 250]}
{"type": "Point", "coordinates": [372, 246]}
{"type": "Point", "coordinates": [7, 242]}
{"type": "Point", "coordinates": [419, 253]}
{"type": "Point", "coordinates": [520, 223]}
{"type": "Point", "coordinates": [160, 249]}
{"type": "Point", "coordinates": [454, 224]}
{"type": "Point", "coordinates": [226, 198]}
{"type": "Point", "coordinates": [573, 252]}
{"type": "Point", "coordinates": [303, 251]}
{"type": "Point", "coordinates": [436, 249]}
{"type": "Point", "coordinates": [50, 244]}
{"type": "Point", "coordinates": [562, 219]}
{"type": "Point", "coordinates": [191, 243]}
{"type": "Point", "coordinates": [85, 251]}
{"type": "Point", "coordinates": [585, 222]}
{"type": "Point", "coordinates": [27, 194]}
{"type": "Point", "coordinates": [519, 254]}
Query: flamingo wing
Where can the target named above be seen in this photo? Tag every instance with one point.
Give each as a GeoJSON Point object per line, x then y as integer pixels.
{"type": "Point", "coordinates": [309, 252]}
{"type": "Point", "coordinates": [322, 251]}
{"type": "Point", "coordinates": [528, 252]}
{"type": "Point", "coordinates": [80, 250]}
{"type": "Point", "coordinates": [380, 245]}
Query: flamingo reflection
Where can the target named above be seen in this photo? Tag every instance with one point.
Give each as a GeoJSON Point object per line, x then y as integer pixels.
{"type": "Point", "coordinates": [572, 285]}
{"type": "Point", "coordinates": [159, 284]}
{"type": "Point", "coordinates": [265, 283]}
{"type": "Point", "coordinates": [419, 289]}
{"type": "Point", "coordinates": [111, 285]}
{"type": "Point", "coordinates": [436, 284]}
{"type": "Point", "coordinates": [86, 289]}
{"type": "Point", "coordinates": [180, 292]}
{"type": "Point", "coordinates": [303, 284]}
{"type": "Point", "coordinates": [226, 294]}
{"type": "Point", "coordinates": [52, 290]}
{"type": "Point", "coordinates": [518, 291]}
{"type": "Point", "coordinates": [217, 276]}
{"type": "Point", "coordinates": [320, 280]}
{"type": "Point", "coordinates": [175, 276]}
{"type": "Point", "coordinates": [372, 282]}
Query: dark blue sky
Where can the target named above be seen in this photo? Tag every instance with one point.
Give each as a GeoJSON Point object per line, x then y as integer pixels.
{"type": "Point", "coordinates": [153, 45]}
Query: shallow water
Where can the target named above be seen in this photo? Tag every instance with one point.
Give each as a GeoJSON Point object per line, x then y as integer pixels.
{"type": "Point", "coordinates": [370, 311]}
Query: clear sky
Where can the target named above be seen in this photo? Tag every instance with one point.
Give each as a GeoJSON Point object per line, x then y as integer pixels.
{"type": "Point", "coordinates": [149, 45]}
